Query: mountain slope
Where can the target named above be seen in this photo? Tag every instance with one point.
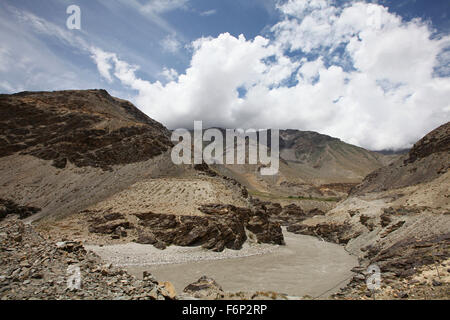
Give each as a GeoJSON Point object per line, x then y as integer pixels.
{"type": "Point", "coordinates": [62, 151]}
{"type": "Point", "coordinates": [324, 159]}
{"type": "Point", "coordinates": [311, 165]}
{"type": "Point", "coordinates": [85, 165]}
{"type": "Point", "coordinates": [427, 160]}
{"type": "Point", "coordinates": [86, 128]}
{"type": "Point", "coordinates": [399, 219]}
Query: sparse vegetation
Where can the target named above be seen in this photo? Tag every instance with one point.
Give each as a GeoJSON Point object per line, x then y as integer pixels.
{"type": "Point", "coordinates": [275, 196]}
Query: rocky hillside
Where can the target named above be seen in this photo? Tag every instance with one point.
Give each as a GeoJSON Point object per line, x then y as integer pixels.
{"type": "Point", "coordinates": [34, 268]}
{"type": "Point", "coordinates": [321, 157]}
{"type": "Point", "coordinates": [398, 219]}
{"type": "Point", "coordinates": [86, 128]}
{"type": "Point", "coordinates": [63, 151]}
{"type": "Point", "coordinates": [312, 165]}
{"type": "Point", "coordinates": [427, 160]}
{"type": "Point", "coordinates": [88, 166]}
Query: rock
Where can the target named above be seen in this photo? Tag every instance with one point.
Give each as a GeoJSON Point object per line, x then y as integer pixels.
{"type": "Point", "coordinates": [168, 290]}
{"type": "Point", "coordinates": [366, 221]}
{"type": "Point", "coordinates": [332, 232]}
{"type": "Point", "coordinates": [223, 227]}
{"type": "Point", "coordinates": [147, 276]}
{"type": "Point", "coordinates": [48, 267]}
{"type": "Point", "coordinates": [392, 228]}
{"type": "Point", "coordinates": [70, 246]}
{"type": "Point", "coordinates": [121, 232]}
{"type": "Point", "coordinates": [403, 295]}
{"type": "Point", "coordinates": [204, 287]}
{"type": "Point", "coordinates": [113, 216]}
{"type": "Point", "coordinates": [436, 283]}
{"type": "Point", "coordinates": [146, 237]}
{"type": "Point", "coordinates": [385, 219]}
{"type": "Point", "coordinates": [359, 277]}
{"type": "Point", "coordinates": [160, 245]}
{"type": "Point", "coordinates": [8, 207]}
{"type": "Point", "coordinates": [109, 227]}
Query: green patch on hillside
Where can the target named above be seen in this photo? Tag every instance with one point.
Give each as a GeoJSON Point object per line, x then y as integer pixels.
{"type": "Point", "coordinates": [275, 197]}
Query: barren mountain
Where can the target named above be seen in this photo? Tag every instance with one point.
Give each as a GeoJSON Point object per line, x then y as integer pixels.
{"type": "Point", "coordinates": [95, 168]}
{"type": "Point", "coordinates": [324, 159]}
{"type": "Point", "coordinates": [427, 160]}
{"type": "Point", "coordinates": [398, 218]}
{"type": "Point", "coordinates": [312, 165]}
{"type": "Point", "coordinates": [62, 151]}
{"type": "Point", "coordinates": [86, 128]}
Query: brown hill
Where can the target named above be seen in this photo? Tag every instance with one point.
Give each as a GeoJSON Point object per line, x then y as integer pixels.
{"type": "Point", "coordinates": [398, 218]}
{"type": "Point", "coordinates": [312, 165]}
{"type": "Point", "coordinates": [85, 165]}
{"type": "Point", "coordinates": [86, 128]}
{"type": "Point", "coordinates": [427, 160]}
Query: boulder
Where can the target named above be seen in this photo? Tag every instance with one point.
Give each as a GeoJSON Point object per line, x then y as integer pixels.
{"type": "Point", "coordinates": [204, 288]}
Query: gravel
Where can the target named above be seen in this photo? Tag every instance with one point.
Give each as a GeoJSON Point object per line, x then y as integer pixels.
{"type": "Point", "coordinates": [134, 254]}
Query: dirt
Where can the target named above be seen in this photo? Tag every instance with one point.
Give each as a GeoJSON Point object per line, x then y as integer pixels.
{"type": "Point", "coordinates": [171, 196]}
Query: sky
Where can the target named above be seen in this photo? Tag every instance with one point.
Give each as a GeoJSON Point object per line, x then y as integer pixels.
{"type": "Point", "coordinates": [372, 73]}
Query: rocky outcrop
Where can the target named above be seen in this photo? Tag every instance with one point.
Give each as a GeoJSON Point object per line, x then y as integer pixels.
{"type": "Point", "coordinates": [205, 288]}
{"type": "Point", "coordinates": [114, 224]}
{"type": "Point", "coordinates": [34, 268]}
{"type": "Point", "coordinates": [8, 207]}
{"type": "Point", "coordinates": [398, 220]}
{"type": "Point", "coordinates": [286, 216]}
{"type": "Point", "coordinates": [404, 256]}
{"type": "Point", "coordinates": [331, 232]}
{"type": "Point", "coordinates": [85, 128]}
{"type": "Point", "coordinates": [435, 142]}
{"type": "Point", "coordinates": [223, 226]}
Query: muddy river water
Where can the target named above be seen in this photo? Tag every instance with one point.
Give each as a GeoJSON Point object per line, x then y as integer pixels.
{"type": "Point", "coordinates": [305, 266]}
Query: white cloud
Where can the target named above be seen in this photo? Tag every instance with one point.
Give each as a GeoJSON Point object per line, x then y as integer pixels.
{"type": "Point", "coordinates": [103, 61]}
{"type": "Point", "coordinates": [26, 62]}
{"type": "Point", "coordinates": [208, 13]}
{"type": "Point", "coordinates": [171, 44]}
{"type": "Point", "coordinates": [160, 6]}
{"type": "Point", "coordinates": [170, 74]}
{"type": "Point", "coordinates": [388, 99]}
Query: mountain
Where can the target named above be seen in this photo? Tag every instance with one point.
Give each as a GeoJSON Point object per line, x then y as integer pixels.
{"type": "Point", "coordinates": [427, 160]}
{"type": "Point", "coordinates": [311, 165]}
{"type": "Point", "coordinates": [85, 128]}
{"type": "Point", "coordinates": [398, 219]}
{"type": "Point", "coordinates": [86, 165]}
{"type": "Point", "coordinates": [62, 151]}
{"type": "Point", "coordinates": [324, 159]}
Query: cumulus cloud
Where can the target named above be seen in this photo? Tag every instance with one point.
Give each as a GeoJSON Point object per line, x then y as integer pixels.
{"type": "Point", "coordinates": [355, 72]}
{"type": "Point", "coordinates": [103, 61]}
{"type": "Point", "coordinates": [388, 98]}
{"type": "Point", "coordinates": [169, 74]}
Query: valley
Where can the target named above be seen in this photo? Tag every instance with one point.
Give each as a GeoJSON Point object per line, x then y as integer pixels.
{"type": "Point", "coordinates": [87, 180]}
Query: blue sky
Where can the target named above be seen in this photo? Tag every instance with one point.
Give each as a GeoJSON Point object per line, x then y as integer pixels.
{"type": "Point", "coordinates": [305, 64]}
